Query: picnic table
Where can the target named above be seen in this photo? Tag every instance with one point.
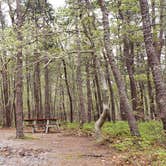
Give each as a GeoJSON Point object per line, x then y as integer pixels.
{"type": "Point", "coordinates": [42, 123]}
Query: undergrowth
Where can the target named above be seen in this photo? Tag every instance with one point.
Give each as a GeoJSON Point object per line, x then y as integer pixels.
{"type": "Point", "coordinates": [150, 146]}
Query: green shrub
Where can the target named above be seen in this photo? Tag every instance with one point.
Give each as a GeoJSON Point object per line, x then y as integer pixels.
{"type": "Point", "coordinates": [69, 125]}
{"type": "Point", "coordinates": [119, 128]}
{"type": "Point", "coordinates": [119, 134]}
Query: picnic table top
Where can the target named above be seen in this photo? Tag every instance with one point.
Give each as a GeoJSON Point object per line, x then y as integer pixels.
{"type": "Point", "coordinates": [41, 119]}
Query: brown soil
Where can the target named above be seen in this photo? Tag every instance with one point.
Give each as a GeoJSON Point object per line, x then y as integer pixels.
{"type": "Point", "coordinates": [56, 149]}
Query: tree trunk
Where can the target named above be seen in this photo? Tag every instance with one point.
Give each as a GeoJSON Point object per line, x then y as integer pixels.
{"type": "Point", "coordinates": [129, 56]}
{"type": "Point", "coordinates": [28, 87]}
{"type": "Point", "coordinates": [37, 87]}
{"type": "Point", "coordinates": [99, 123]}
{"type": "Point", "coordinates": [79, 78]}
{"type": "Point", "coordinates": [98, 88]}
{"type": "Point", "coordinates": [5, 79]}
{"type": "Point", "coordinates": [3, 109]}
{"type": "Point", "coordinates": [47, 89]}
{"type": "Point", "coordinates": [5, 82]}
{"type": "Point", "coordinates": [96, 116]}
{"type": "Point", "coordinates": [19, 76]}
{"type": "Point", "coordinates": [153, 113]}
{"type": "Point", "coordinates": [89, 93]}
{"type": "Point", "coordinates": [118, 78]}
{"type": "Point", "coordinates": [113, 114]}
{"type": "Point", "coordinates": [154, 61]}
{"type": "Point", "coordinates": [68, 91]}
{"type": "Point", "coordinates": [63, 105]}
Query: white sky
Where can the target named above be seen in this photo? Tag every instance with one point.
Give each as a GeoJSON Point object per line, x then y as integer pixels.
{"type": "Point", "coordinates": [57, 3]}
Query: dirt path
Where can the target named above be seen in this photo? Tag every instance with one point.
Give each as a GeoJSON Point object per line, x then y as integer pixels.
{"type": "Point", "coordinates": [56, 149]}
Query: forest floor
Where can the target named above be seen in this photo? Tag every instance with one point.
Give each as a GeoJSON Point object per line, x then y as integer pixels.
{"type": "Point", "coordinates": [58, 149]}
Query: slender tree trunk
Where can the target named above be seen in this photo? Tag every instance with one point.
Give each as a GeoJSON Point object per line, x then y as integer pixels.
{"type": "Point", "coordinates": [28, 87]}
{"type": "Point", "coordinates": [5, 77]}
{"type": "Point", "coordinates": [79, 78]}
{"type": "Point", "coordinates": [89, 93]}
{"type": "Point", "coordinates": [153, 113]}
{"type": "Point", "coordinates": [63, 105]}
{"type": "Point", "coordinates": [47, 89]}
{"type": "Point", "coordinates": [118, 78]}
{"type": "Point", "coordinates": [154, 61]}
{"type": "Point", "coordinates": [13, 107]}
{"type": "Point", "coordinates": [99, 123]}
{"type": "Point", "coordinates": [96, 116]}
{"type": "Point", "coordinates": [158, 38]}
{"type": "Point", "coordinates": [6, 104]}
{"type": "Point", "coordinates": [3, 109]}
{"type": "Point", "coordinates": [142, 109]}
{"type": "Point", "coordinates": [55, 93]}
{"type": "Point", "coordinates": [129, 56]}
{"type": "Point", "coordinates": [113, 114]}
{"type": "Point", "coordinates": [97, 81]}
{"type": "Point", "coordinates": [37, 87]}
{"type": "Point", "coordinates": [68, 91]}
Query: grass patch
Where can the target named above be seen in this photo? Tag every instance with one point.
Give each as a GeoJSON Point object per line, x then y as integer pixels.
{"type": "Point", "coordinates": [71, 126]}
{"type": "Point", "coordinates": [150, 148]}
{"type": "Point", "coordinates": [152, 133]}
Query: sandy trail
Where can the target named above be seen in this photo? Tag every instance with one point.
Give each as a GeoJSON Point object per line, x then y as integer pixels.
{"type": "Point", "coordinates": [56, 149]}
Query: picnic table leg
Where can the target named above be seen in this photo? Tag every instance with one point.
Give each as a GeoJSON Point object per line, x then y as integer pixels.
{"type": "Point", "coordinates": [47, 130]}
{"type": "Point", "coordinates": [47, 127]}
{"type": "Point", "coordinates": [33, 129]}
{"type": "Point", "coordinates": [57, 124]}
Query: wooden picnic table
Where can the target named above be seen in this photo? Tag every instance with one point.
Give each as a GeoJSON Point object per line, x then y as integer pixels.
{"type": "Point", "coordinates": [45, 123]}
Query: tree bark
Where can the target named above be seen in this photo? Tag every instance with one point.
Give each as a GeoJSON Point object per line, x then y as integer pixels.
{"type": "Point", "coordinates": [96, 116]}
{"type": "Point", "coordinates": [113, 113]}
{"type": "Point", "coordinates": [6, 103]}
{"type": "Point", "coordinates": [153, 113]}
{"type": "Point", "coordinates": [154, 61]}
{"type": "Point", "coordinates": [89, 92]}
{"type": "Point", "coordinates": [47, 89]}
{"type": "Point", "coordinates": [118, 78]}
{"type": "Point", "coordinates": [68, 91]}
{"type": "Point", "coordinates": [19, 75]}
{"type": "Point", "coordinates": [28, 87]}
{"type": "Point", "coordinates": [79, 77]}
{"type": "Point", "coordinates": [5, 78]}
{"type": "Point", "coordinates": [99, 123]}
{"type": "Point", "coordinates": [129, 56]}
{"type": "Point", "coordinates": [37, 87]}
{"type": "Point", "coordinates": [97, 81]}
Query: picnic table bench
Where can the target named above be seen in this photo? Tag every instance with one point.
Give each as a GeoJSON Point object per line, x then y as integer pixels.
{"type": "Point", "coordinates": [42, 123]}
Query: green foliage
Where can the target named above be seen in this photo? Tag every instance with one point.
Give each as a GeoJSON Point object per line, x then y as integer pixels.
{"type": "Point", "coordinates": [116, 129]}
{"type": "Point", "coordinates": [140, 77]}
{"type": "Point", "coordinates": [152, 134]}
{"type": "Point", "coordinates": [88, 128]}
{"type": "Point", "coordinates": [149, 148]}
{"type": "Point", "coordinates": [73, 126]}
